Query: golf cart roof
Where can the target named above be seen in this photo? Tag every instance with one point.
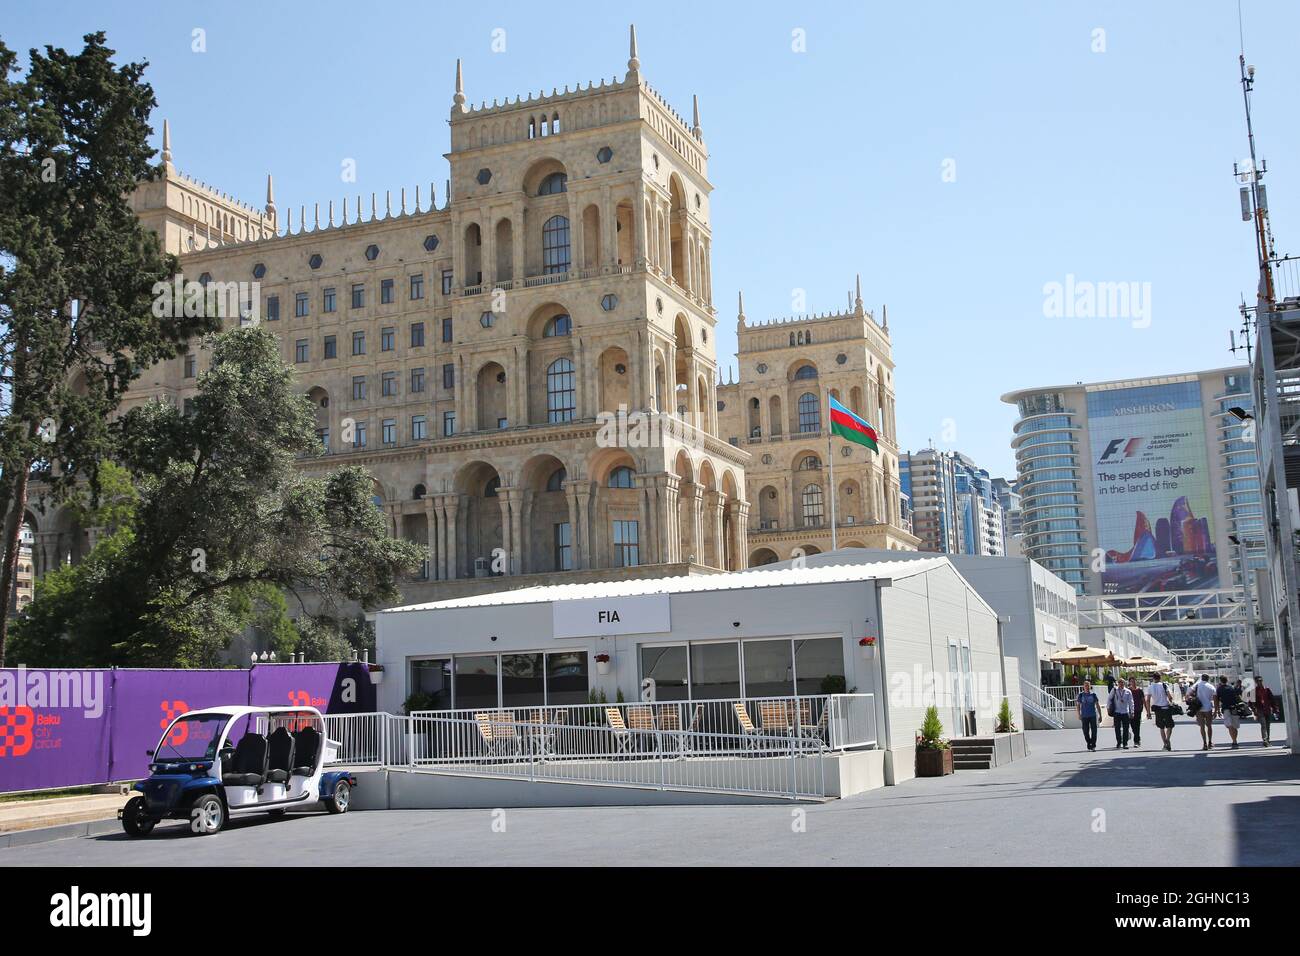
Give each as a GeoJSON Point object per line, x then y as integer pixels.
{"type": "Point", "coordinates": [244, 711]}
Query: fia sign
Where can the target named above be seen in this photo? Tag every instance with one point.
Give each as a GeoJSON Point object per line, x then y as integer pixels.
{"type": "Point", "coordinates": [603, 617]}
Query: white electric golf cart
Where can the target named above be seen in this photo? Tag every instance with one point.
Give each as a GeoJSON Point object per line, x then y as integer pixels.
{"type": "Point", "coordinates": [228, 761]}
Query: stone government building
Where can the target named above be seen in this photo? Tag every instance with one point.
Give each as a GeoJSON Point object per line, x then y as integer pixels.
{"type": "Point", "coordinates": [462, 354]}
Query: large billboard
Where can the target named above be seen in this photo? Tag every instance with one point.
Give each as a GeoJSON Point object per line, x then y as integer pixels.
{"type": "Point", "coordinates": [1151, 487]}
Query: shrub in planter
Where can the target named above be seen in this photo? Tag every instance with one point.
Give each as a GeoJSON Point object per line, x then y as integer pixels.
{"type": "Point", "coordinates": [933, 755]}
{"type": "Point", "coordinates": [1004, 724]}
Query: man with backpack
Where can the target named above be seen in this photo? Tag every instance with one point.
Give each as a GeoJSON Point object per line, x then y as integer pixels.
{"type": "Point", "coordinates": [1263, 708]}
{"type": "Point", "coordinates": [1226, 700]}
{"type": "Point", "coordinates": [1158, 699]}
{"type": "Point", "coordinates": [1201, 703]}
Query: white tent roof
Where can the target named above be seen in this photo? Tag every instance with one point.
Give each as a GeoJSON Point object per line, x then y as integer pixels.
{"type": "Point", "coordinates": [733, 580]}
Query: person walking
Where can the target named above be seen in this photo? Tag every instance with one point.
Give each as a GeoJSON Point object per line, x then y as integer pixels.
{"type": "Point", "coordinates": [1203, 692]}
{"type": "Point", "coordinates": [1086, 705]}
{"type": "Point", "coordinates": [1263, 708]}
{"type": "Point", "coordinates": [1158, 699]}
{"type": "Point", "coordinates": [1119, 705]}
{"type": "Point", "coordinates": [1135, 715]}
{"type": "Point", "coordinates": [1226, 699]}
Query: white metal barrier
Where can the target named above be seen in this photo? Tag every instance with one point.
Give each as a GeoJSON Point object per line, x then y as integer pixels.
{"type": "Point", "coordinates": [765, 746]}
{"type": "Point", "coordinates": [1046, 706]}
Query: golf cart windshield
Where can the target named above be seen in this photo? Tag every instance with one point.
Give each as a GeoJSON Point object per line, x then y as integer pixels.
{"type": "Point", "coordinates": [192, 737]}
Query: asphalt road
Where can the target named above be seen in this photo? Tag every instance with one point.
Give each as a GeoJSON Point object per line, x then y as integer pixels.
{"type": "Point", "coordinates": [1058, 806]}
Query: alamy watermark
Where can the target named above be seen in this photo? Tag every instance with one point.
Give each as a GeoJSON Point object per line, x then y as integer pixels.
{"type": "Point", "coordinates": [1084, 299]}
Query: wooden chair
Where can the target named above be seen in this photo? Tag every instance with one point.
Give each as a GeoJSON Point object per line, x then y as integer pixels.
{"type": "Point", "coordinates": [749, 733]}
{"type": "Point", "coordinates": [814, 733]}
{"type": "Point", "coordinates": [774, 715]}
{"type": "Point", "coordinates": [541, 731]}
{"type": "Point", "coordinates": [498, 732]}
{"type": "Point", "coordinates": [622, 738]}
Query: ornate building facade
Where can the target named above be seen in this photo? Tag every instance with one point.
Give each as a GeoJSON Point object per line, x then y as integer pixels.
{"type": "Point", "coordinates": [527, 370]}
{"type": "Point", "coordinates": [778, 413]}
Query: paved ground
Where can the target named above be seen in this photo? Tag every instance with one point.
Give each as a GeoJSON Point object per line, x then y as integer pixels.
{"type": "Point", "coordinates": [30, 814]}
{"type": "Point", "coordinates": [1061, 804]}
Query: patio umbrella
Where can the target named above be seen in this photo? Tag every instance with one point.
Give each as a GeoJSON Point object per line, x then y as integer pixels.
{"type": "Point", "coordinates": [1141, 663]}
{"type": "Point", "coordinates": [1083, 656]}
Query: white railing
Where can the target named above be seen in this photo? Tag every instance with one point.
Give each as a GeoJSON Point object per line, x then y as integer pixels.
{"type": "Point", "coordinates": [757, 746]}
{"type": "Point", "coordinates": [1067, 694]}
{"type": "Point", "coordinates": [1043, 705]}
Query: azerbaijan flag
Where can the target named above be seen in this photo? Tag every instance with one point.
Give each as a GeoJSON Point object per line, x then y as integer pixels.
{"type": "Point", "coordinates": [850, 427]}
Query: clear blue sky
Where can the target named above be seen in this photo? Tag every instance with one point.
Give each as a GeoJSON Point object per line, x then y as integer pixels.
{"type": "Point", "coordinates": [1112, 166]}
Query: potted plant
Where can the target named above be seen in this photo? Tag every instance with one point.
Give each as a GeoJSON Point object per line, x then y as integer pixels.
{"type": "Point", "coordinates": [419, 733]}
{"type": "Point", "coordinates": [602, 664]}
{"type": "Point", "coordinates": [1004, 724]}
{"type": "Point", "coordinates": [933, 755]}
{"type": "Point", "coordinates": [376, 673]}
{"type": "Point", "coordinates": [868, 645]}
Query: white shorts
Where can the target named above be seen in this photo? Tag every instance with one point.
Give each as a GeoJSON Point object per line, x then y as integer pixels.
{"type": "Point", "coordinates": [1231, 720]}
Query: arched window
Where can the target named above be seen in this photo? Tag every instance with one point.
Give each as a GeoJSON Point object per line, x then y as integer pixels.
{"type": "Point", "coordinates": [810, 413]}
{"type": "Point", "coordinates": [810, 463]}
{"type": "Point", "coordinates": [560, 395]}
{"type": "Point", "coordinates": [490, 489]}
{"type": "Point", "coordinates": [621, 477]}
{"type": "Point", "coordinates": [553, 185]}
{"type": "Point", "coordinates": [813, 506]}
{"type": "Point", "coordinates": [805, 372]}
{"type": "Point", "coordinates": [418, 492]}
{"type": "Point", "coordinates": [560, 325]}
{"type": "Point", "coordinates": [557, 479]}
{"type": "Point", "coordinates": [555, 245]}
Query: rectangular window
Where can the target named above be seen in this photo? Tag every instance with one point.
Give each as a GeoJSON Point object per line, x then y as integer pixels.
{"type": "Point", "coordinates": [566, 678]}
{"type": "Point", "coordinates": [358, 295]}
{"type": "Point", "coordinates": [417, 380]}
{"type": "Point", "coordinates": [627, 551]}
{"type": "Point", "coordinates": [446, 282]}
{"type": "Point", "coordinates": [476, 681]}
{"type": "Point", "coordinates": [328, 304]}
{"type": "Point", "coordinates": [358, 388]}
{"type": "Point", "coordinates": [432, 677]}
{"type": "Point", "coordinates": [523, 680]}
{"type": "Point", "coordinates": [563, 547]}
{"type": "Point", "coordinates": [502, 423]}
{"type": "Point", "coordinates": [449, 376]}
{"type": "Point", "coordinates": [386, 291]}
{"type": "Point", "coordinates": [191, 365]}
{"type": "Point", "coordinates": [388, 430]}
{"type": "Point", "coordinates": [187, 407]}
{"type": "Point", "coordinates": [446, 330]}
{"type": "Point", "coordinates": [359, 435]}
{"type": "Point", "coordinates": [417, 286]}
{"type": "Point", "coordinates": [358, 343]}
{"type": "Point", "coordinates": [448, 424]}
{"type": "Point", "coordinates": [331, 347]}
{"type": "Point", "coordinates": [300, 304]}
{"type": "Point", "coordinates": [715, 671]}
{"type": "Point", "coordinates": [419, 428]}
{"type": "Point", "coordinates": [301, 352]}
{"type": "Point", "coordinates": [668, 667]}
{"type": "Point", "coordinates": [386, 339]}
{"type": "Point", "coordinates": [388, 384]}
{"type": "Point", "coordinates": [769, 671]}
{"type": "Point", "coordinates": [417, 335]}
{"type": "Point", "coordinates": [818, 666]}
{"type": "Point", "coordinates": [323, 436]}
{"type": "Point", "coordinates": [272, 308]}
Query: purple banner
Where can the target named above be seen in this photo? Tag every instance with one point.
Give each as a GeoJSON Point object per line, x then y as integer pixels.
{"type": "Point", "coordinates": [146, 701]}
{"type": "Point", "coordinates": [54, 728]}
{"type": "Point", "coordinates": [79, 727]}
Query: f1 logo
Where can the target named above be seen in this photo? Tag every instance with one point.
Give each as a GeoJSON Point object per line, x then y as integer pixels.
{"type": "Point", "coordinates": [16, 731]}
{"type": "Point", "coordinates": [1121, 447]}
{"type": "Point", "coordinates": [171, 710]}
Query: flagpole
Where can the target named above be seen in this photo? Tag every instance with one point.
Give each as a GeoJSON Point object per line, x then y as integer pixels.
{"type": "Point", "coordinates": [830, 457]}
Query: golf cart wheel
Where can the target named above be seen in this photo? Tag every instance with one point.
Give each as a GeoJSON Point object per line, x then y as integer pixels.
{"type": "Point", "coordinates": [208, 815]}
{"type": "Point", "coordinates": [135, 821]}
{"type": "Point", "coordinates": [338, 801]}
{"type": "Point", "coordinates": [276, 813]}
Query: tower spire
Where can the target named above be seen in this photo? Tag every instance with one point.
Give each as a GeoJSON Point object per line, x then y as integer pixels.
{"type": "Point", "coordinates": [167, 147]}
{"type": "Point", "coordinates": [740, 310]}
{"type": "Point", "coordinates": [270, 198]}
{"type": "Point", "coordinates": [459, 98]}
{"type": "Point", "coordinates": [857, 301]}
{"type": "Point", "coordinates": [697, 132]}
{"type": "Point", "coordinates": [633, 62]}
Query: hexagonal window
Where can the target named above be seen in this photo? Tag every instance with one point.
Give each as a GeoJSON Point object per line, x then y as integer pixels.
{"type": "Point", "coordinates": [762, 368]}
{"type": "Point", "coordinates": [841, 359]}
{"type": "Point", "coordinates": [609, 302]}
{"type": "Point", "coordinates": [430, 243]}
{"type": "Point", "coordinates": [372, 252]}
{"type": "Point", "coordinates": [484, 176]}
{"type": "Point", "coordinates": [604, 154]}
{"type": "Point", "coordinates": [259, 270]}
{"type": "Point", "coordinates": [767, 459]}
{"type": "Point", "coordinates": [722, 405]}
{"type": "Point", "coordinates": [315, 260]}
{"type": "Point", "coordinates": [205, 278]}
{"type": "Point", "coordinates": [487, 320]}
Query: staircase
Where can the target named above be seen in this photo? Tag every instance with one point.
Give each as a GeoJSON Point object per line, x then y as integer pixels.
{"type": "Point", "coordinates": [972, 753]}
{"type": "Point", "coordinates": [1045, 708]}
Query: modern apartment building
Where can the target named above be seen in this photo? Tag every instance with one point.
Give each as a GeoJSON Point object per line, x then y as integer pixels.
{"type": "Point", "coordinates": [1140, 485]}
{"type": "Point", "coordinates": [955, 509]}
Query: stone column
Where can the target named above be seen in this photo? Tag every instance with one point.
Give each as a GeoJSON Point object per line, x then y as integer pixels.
{"type": "Point", "coordinates": [431, 536]}
{"type": "Point", "coordinates": [719, 509]}
{"type": "Point", "coordinates": [525, 531]}
{"type": "Point", "coordinates": [639, 244]}
{"type": "Point", "coordinates": [519, 270]}
{"type": "Point", "coordinates": [608, 249]}
{"type": "Point", "coordinates": [740, 534]}
{"type": "Point", "coordinates": [575, 542]}
{"type": "Point", "coordinates": [487, 251]}
{"type": "Point", "coordinates": [451, 522]}
{"type": "Point", "coordinates": [582, 530]}
{"type": "Point", "coordinates": [508, 498]}
{"type": "Point", "coordinates": [670, 537]}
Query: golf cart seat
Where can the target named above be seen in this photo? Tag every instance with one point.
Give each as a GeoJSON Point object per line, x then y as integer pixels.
{"type": "Point", "coordinates": [279, 749]}
{"type": "Point", "coordinates": [248, 768]}
{"type": "Point", "coordinates": [306, 748]}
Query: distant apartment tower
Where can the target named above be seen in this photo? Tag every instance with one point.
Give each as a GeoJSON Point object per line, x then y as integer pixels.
{"type": "Point", "coordinates": [1139, 485]}
{"type": "Point", "coordinates": [954, 507]}
{"type": "Point", "coordinates": [1012, 520]}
